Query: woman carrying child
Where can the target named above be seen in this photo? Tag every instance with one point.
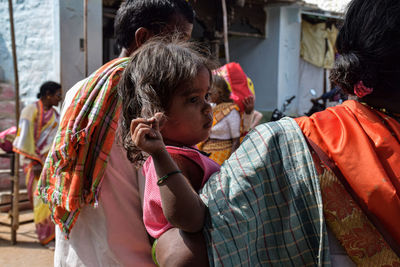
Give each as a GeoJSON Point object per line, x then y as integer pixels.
{"type": "Point", "coordinates": [307, 192]}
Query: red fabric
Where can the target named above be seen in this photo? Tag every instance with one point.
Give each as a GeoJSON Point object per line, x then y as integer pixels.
{"type": "Point", "coordinates": [237, 80]}
{"type": "Point", "coordinates": [6, 138]}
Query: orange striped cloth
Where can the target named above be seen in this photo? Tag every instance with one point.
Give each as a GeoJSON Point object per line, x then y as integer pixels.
{"type": "Point", "coordinates": [364, 145]}
{"type": "Point", "coordinates": [76, 163]}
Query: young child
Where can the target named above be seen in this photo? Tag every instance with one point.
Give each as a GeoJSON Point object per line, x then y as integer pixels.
{"type": "Point", "coordinates": [165, 113]}
{"type": "Point", "coordinates": [229, 124]}
{"type": "Point", "coordinates": [226, 130]}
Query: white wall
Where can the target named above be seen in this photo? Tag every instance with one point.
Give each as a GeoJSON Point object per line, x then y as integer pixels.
{"type": "Point", "coordinates": [71, 31]}
{"type": "Point", "coordinates": [47, 38]}
{"type": "Point", "coordinates": [338, 6]}
{"type": "Point", "coordinates": [36, 45]}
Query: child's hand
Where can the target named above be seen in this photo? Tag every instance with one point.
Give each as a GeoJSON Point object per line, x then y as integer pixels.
{"type": "Point", "coordinates": [248, 103]}
{"type": "Point", "coordinates": [145, 133]}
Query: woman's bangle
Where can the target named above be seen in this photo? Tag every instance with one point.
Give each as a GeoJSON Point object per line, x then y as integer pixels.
{"type": "Point", "coordinates": [162, 179]}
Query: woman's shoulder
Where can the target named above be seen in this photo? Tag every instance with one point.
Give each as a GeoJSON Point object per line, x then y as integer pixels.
{"type": "Point", "coordinates": [31, 106]}
{"type": "Point", "coordinates": [29, 110]}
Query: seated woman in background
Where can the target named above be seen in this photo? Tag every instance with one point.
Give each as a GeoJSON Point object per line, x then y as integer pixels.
{"type": "Point", "coordinates": [37, 127]}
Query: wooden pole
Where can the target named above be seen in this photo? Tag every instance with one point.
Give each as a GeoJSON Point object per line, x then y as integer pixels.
{"type": "Point", "coordinates": [85, 35]}
{"type": "Point", "coordinates": [15, 194]}
{"type": "Point", "coordinates": [225, 21]}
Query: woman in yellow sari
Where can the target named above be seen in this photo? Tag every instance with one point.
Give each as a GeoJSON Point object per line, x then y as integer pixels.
{"type": "Point", "coordinates": [36, 130]}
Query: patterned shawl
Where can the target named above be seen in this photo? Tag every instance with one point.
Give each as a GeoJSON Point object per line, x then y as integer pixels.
{"type": "Point", "coordinates": [75, 165]}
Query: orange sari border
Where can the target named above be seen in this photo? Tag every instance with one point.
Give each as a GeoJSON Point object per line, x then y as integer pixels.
{"type": "Point", "coordinates": [362, 241]}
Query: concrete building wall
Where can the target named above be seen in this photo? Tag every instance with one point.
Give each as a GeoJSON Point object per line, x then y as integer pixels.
{"type": "Point", "coordinates": [272, 63]}
{"type": "Point", "coordinates": [289, 56]}
{"type": "Point", "coordinates": [71, 33]}
{"type": "Point", "coordinates": [36, 45]}
{"type": "Point", "coordinates": [259, 59]}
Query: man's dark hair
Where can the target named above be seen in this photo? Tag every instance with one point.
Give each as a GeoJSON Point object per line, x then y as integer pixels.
{"type": "Point", "coordinates": [48, 88]}
{"type": "Point", "coordinates": [150, 14]}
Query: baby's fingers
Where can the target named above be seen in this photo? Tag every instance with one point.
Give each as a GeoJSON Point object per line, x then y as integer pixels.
{"type": "Point", "coordinates": [136, 122]}
{"type": "Point", "coordinates": [136, 126]}
{"type": "Point", "coordinates": [136, 131]}
{"type": "Point", "coordinates": [140, 136]}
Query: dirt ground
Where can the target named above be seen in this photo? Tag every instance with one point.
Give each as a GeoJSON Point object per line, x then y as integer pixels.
{"type": "Point", "coordinates": [27, 251]}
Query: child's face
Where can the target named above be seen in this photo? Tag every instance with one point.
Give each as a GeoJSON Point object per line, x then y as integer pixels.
{"type": "Point", "coordinates": [190, 114]}
{"type": "Point", "coordinates": [215, 94]}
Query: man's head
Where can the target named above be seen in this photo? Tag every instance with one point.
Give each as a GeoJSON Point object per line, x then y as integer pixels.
{"type": "Point", "coordinates": [138, 20]}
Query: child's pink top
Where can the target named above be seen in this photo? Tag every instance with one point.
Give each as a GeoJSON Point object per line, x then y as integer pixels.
{"type": "Point", "coordinates": [153, 217]}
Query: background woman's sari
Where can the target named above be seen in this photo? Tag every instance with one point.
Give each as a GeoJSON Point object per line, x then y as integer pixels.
{"type": "Point", "coordinates": [36, 131]}
{"type": "Point", "coordinates": [220, 149]}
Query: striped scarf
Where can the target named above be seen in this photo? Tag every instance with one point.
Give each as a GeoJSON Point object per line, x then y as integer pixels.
{"type": "Point", "coordinates": [76, 163]}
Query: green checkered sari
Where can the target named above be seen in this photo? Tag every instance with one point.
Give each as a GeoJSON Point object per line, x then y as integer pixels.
{"type": "Point", "coordinates": [265, 206]}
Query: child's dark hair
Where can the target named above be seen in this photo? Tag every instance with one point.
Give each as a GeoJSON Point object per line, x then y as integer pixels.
{"type": "Point", "coordinates": [220, 85]}
{"type": "Point", "coordinates": [150, 14]}
{"type": "Point", "coordinates": [369, 47]}
{"type": "Point", "coordinates": [151, 79]}
{"type": "Point", "coordinates": [48, 88]}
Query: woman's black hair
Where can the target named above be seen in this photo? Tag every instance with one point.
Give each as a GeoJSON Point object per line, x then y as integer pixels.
{"type": "Point", "coordinates": [368, 44]}
{"type": "Point", "coordinates": [154, 74]}
{"type": "Point", "coordinates": [150, 14]}
{"type": "Point", "coordinates": [48, 88]}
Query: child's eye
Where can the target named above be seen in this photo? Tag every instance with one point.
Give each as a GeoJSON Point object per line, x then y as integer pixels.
{"type": "Point", "coordinates": [194, 99]}
{"type": "Point", "coordinates": [207, 97]}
